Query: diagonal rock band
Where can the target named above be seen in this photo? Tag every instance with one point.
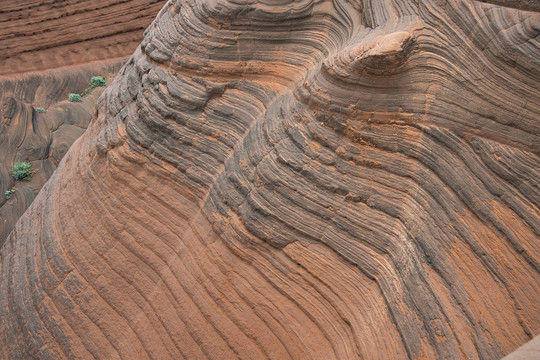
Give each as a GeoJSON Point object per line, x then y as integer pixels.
{"type": "Point", "coordinates": [295, 180]}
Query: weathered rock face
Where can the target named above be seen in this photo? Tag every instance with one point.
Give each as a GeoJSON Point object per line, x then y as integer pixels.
{"type": "Point", "coordinates": [46, 36]}
{"type": "Point", "coordinates": [295, 179]}
{"type": "Point", "coordinates": [40, 138]}
{"type": "Point", "coordinates": [39, 35]}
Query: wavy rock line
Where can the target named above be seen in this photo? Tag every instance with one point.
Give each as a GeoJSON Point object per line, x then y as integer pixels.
{"type": "Point", "coordinates": [39, 35]}
{"type": "Point", "coordinates": [307, 180]}
{"type": "Point", "coordinates": [40, 138]}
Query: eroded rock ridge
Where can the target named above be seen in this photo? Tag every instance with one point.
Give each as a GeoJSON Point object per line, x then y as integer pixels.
{"type": "Point", "coordinates": [295, 179]}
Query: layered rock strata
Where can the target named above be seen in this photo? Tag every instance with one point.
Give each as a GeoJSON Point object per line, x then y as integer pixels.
{"type": "Point", "coordinates": [41, 138]}
{"type": "Point", "coordinates": [93, 38]}
{"type": "Point", "coordinates": [40, 35]}
{"type": "Point", "coordinates": [295, 179]}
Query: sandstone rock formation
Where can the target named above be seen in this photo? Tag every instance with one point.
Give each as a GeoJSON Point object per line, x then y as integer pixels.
{"type": "Point", "coordinates": [40, 35]}
{"type": "Point", "coordinates": [295, 179]}
{"type": "Point", "coordinates": [40, 138]}
{"type": "Point", "coordinates": [46, 36]}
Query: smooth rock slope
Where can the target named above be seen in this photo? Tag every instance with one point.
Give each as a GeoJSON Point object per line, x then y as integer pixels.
{"type": "Point", "coordinates": [295, 179]}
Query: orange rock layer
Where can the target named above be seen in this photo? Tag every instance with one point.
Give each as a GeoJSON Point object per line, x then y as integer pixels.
{"type": "Point", "coordinates": [39, 35]}
{"type": "Point", "coordinates": [295, 180]}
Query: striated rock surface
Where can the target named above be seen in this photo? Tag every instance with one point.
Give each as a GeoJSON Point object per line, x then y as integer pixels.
{"type": "Point", "coordinates": [46, 36]}
{"type": "Point", "coordinates": [295, 179]}
{"type": "Point", "coordinates": [39, 35]}
{"type": "Point", "coordinates": [41, 138]}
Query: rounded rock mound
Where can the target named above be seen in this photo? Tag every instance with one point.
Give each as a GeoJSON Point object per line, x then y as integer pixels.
{"type": "Point", "coordinates": [295, 180]}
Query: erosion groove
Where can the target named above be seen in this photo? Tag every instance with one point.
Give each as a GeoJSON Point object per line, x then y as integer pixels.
{"type": "Point", "coordinates": [295, 180]}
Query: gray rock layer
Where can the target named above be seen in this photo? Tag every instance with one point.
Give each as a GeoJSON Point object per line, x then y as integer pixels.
{"type": "Point", "coordinates": [39, 35]}
{"type": "Point", "coordinates": [295, 179]}
{"type": "Point", "coordinates": [41, 138]}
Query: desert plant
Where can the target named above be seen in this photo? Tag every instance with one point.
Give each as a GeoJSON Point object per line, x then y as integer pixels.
{"type": "Point", "coordinates": [87, 91]}
{"type": "Point", "coordinates": [40, 110]}
{"type": "Point", "coordinates": [96, 81]}
{"type": "Point", "coordinates": [74, 98]}
{"type": "Point", "coordinates": [22, 170]}
{"type": "Point", "coordinates": [9, 193]}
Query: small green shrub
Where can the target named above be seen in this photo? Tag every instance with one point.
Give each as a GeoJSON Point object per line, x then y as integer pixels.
{"type": "Point", "coordinates": [40, 110]}
{"type": "Point", "coordinates": [22, 170]}
{"type": "Point", "coordinates": [96, 81]}
{"type": "Point", "coordinates": [9, 193]}
{"type": "Point", "coordinates": [74, 98]}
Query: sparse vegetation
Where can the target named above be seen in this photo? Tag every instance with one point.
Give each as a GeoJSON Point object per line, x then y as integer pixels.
{"type": "Point", "coordinates": [40, 110]}
{"type": "Point", "coordinates": [9, 193]}
{"type": "Point", "coordinates": [74, 97]}
{"type": "Point", "coordinates": [22, 170]}
{"type": "Point", "coordinates": [95, 81]}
